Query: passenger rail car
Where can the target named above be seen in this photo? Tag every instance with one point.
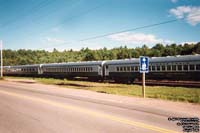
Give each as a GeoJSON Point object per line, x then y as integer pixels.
{"type": "Point", "coordinates": [160, 68]}
{"type": "Point", "coordinates": [90, 69]}
{"type": "Point", "coordinates": [22, 70]}
{"type": "Point", "coordinates": [169, 68]}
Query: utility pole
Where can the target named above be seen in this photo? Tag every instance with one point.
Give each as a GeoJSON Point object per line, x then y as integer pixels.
{"type": "Point", "coordinates": [1, 45]}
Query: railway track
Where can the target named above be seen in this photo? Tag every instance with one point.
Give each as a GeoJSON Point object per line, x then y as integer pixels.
{"type": "Point", "coordinates": [195, 84]}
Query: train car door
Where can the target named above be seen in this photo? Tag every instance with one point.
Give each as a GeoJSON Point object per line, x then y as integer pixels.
{"type": "Point", "coordinates": [106, 70]}
{"type": "Point", "coordinates": [100, 70]}
{"type": "Point", "coordinates": [40, 71]}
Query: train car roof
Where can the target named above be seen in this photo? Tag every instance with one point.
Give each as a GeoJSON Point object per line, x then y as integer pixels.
{"type": "Point", "coordinates": [23, 66]}
{"type": "Point", "coordinates": [157, 59]}
{"type": "Point", "coordinates": [73, 63]}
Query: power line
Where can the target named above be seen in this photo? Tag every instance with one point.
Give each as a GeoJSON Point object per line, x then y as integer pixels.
{"type": "Point", "coordinates": [79, 15]}
{"type": "Point", "coordinates": [35, 8]}
{"type": "Point", "coordinates": [137, 28]}
{"type": "Point", "coordinates": [122, 31]}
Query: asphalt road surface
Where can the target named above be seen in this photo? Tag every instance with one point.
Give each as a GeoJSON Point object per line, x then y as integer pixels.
{"type": "Point", "coordinates": [36, 108]}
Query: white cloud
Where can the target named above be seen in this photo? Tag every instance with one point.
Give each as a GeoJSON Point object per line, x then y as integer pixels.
{"type": "Point", "coordinates": [188, 43]}
{"type": "Point", "coordinates": [54, 40]}
{"type": "Point", "coordinates": [138, 38]}
{"type": "Point", "coordinates": [191, 13]}
{"type": "Point", "coordinates": [174, 1]}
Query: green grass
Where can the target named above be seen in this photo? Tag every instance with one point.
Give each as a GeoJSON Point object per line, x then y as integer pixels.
{"type": "Point", "coordinates": [161, 92]}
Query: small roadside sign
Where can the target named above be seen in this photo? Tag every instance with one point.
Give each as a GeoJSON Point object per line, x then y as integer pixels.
{"type": "Point", "coordinates": [144, 68]}
{"type": "Point", "coordinates": [144, 64]}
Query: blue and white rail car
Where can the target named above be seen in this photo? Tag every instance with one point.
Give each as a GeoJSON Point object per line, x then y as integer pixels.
{"type": "Point", "coordinates": [21, 70]}
{"type": "Point", "coordinates": [175, 67]}
{"type": "Point", "coordinates": [170, 68]}
{"type": "Point", "coordinates": [90, 69]}
{"type": "Point", "coordinates": [121, 70]}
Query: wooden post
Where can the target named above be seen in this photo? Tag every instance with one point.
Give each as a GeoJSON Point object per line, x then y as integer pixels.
{"type": "Point", "coordinates": [143, 84]}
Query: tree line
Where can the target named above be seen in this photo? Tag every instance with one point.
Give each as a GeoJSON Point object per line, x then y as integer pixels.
{"type": "Point", "coordinates": [22, 56]}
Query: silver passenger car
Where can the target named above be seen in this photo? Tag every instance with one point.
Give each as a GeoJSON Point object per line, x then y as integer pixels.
{"type": "Point", "coordinates": [172, 67]}
{"type": "Point", "coordinates": [90, 69]}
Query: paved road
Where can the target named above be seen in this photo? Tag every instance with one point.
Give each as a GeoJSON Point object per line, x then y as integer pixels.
{"type": "Point", "coordinates": [33, 108]}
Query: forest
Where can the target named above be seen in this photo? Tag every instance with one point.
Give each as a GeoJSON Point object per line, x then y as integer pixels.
{"type": "Point", "coordinates": [23, 56]}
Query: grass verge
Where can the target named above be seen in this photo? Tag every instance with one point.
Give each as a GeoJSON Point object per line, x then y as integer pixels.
{"type": "Point", "coordinates": [191, 95]}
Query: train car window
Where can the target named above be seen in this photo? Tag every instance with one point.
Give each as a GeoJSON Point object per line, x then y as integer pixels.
{"type": "Point", "coordinates": [191, 67]}
{"type": "Point", "coordinates": [118, 69]}
{"type": "Point", "coordinates": [124, 68]}
{"type": "Point", "coordinates": [121, 69]}
{"type": "Point", "coordinates": [168, 67]}
{"type": "Point", "coordinates": [153, 68]}
{"type": "Point", "coordinates": [179, 67]}
{"type": "Point", "coordinates": [158, 68]}
{"type": "Point", "coordinates": [163, 68]}
{"type": "Point", "coordinates": [185, 67]}
{"type": "Point", "coordinates": [106, 66]}
{"type": "Point", "coordinates": [132, 68]}
{"type": "Point", "coordinates": [128, 68]}
{"type": "Point", "coordinates": [149, 68]}
{"type": "Point", "coordinates": [136, 68]}
{"type": "Point", "coordinates": [91, 69]}
{"type": "Point", "coordinates": [174, 67]}
{"type": "Point", "coordinates": [198, 67]}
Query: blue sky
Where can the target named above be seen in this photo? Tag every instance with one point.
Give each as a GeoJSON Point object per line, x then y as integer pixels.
{"type": "Point", "coordinates": [45, 24]}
